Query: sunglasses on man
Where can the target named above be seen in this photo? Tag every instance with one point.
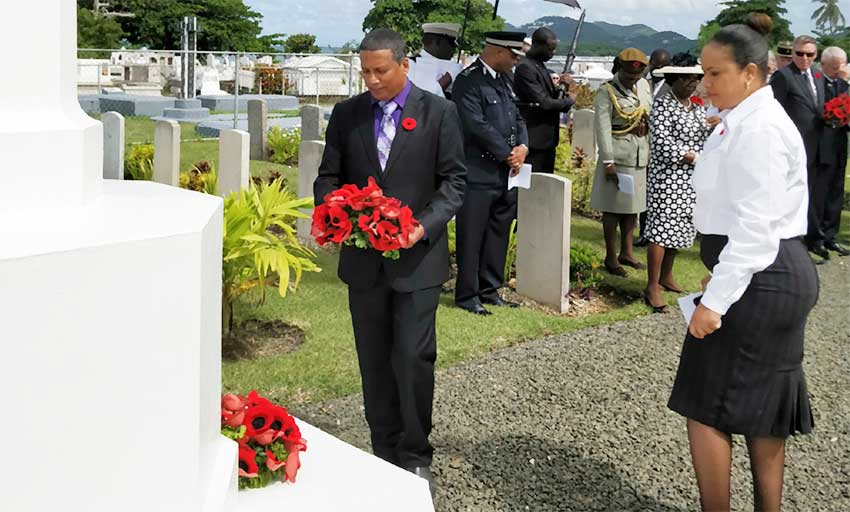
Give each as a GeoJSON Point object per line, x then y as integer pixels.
{"type": "Point", "coordinates": [810, 55]}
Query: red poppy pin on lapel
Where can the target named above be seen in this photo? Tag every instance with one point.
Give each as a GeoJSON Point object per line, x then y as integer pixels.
{"type": "Point", "coordinates": [817, 75]}
{"type": "Point", "coordinates": [408, 123]}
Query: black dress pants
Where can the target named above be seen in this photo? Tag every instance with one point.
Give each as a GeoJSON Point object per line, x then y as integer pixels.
{"type": "Point", "coordinates": [819, 181]}
{"type": "Point", "coordinates": [833, 199]}
{"type": "Point", "coordinates": [541, 160]}
{"type": "Point", "coordinates": [483, 231]}
{"type": "Point", "coordinates": [396, 349]}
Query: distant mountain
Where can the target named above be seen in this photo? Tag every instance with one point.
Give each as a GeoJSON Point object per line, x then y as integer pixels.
{"type": "Point", "coordinates": [608, 38]}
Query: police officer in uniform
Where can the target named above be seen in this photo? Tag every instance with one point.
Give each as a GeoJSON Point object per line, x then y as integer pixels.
{"type": "Point", "coordinates": [496, 144]}
{"type": "Point", "coordinates": [432, 68]}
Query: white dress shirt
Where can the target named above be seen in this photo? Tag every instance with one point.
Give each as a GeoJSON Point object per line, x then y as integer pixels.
{"type": "Point", "coordinates": [426, 70]}
{"type": "Point", "coordinates": [811, 80]}
{"type": "Point", "coordinates": [751, 186]}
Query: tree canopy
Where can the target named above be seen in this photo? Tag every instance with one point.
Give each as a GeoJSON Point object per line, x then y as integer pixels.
{"type": "Point", "coordinates": [301, 43]}
{"type": "Point", "coordinates": [96, 31]}
{"type": "Point", "coordinates": [737, 11]}
{"type": "Point", "coordinates": [407, 17]}
{"type": "Point", "coordinates": [828, 17]}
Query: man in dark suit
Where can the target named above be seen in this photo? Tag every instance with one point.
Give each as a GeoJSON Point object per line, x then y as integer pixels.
{"type": "Point", "coordinates": [539, 102]}
{"type": "Point", "coordinates": [495, 139]}
{"type": "Point", "coordinates": [393, 304]}
{"type": "Point", "coordinates": [833, 151]}
{"type": "Point", "coordinates": [800, 90]}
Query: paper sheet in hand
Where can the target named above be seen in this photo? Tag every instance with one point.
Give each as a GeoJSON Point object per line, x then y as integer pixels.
{"type": "Point", "coordinates": [688, 305]}
{"type": "Point", "coordinates": [521, 180]}
{"type": "Point", "coordinates": [626, 183]}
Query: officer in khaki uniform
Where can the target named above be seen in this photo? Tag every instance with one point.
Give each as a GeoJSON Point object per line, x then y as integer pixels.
{"type": "Point", "coordinates": [622, 133]}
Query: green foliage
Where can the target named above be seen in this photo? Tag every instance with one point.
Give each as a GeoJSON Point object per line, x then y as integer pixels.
{"type": "Point", "coordinates": [224, 24]}
{"type": "Point", "coordinates": [407, 17]}
{"type": "Point", "coordinates": [202, 177]}
{"type": "Point", "coordinates": [260, 245]}
{"type": "Point", "coordinates": [233, 432]}
{"type": "Point", "coordinates": [510, 257]}
{"type": "Point", "coordinates": [97, 31]}
{"type": "Point", "coordinates": [283, 145]}
{"type": "Point", "coordinates": [737, 11]}
{"type": "Point", "coordinates": [706, 32]}
{"type": "Point", "coordinates": [451, 234]}
{"type": "Point", "coordinates": [301, 43]}
{"type": "Point", "coordinates": [828, 17]}
{"type": "Point", "coordinates": [584, 266]}
{"type": "Point", "coordinates": [138, 164]}
{"type": "Point", "coordinates": [351, 46]}
{"type": "Point", "coordinates": [583, 170]}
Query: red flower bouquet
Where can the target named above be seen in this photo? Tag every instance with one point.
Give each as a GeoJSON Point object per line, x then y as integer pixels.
{"type": "Point", "coordinates": [836, 111]}
{"type": "Point", "coordinates": [269, 440]}
{"type": "Point", "coordinates": [364, 218]}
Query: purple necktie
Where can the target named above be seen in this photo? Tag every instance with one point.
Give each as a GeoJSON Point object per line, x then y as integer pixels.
{"type": "Point", "coordinates": [387, 132]}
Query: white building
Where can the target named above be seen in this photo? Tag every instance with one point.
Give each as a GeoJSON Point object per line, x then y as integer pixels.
{"type": "Point", "coordinates": [323, 75]}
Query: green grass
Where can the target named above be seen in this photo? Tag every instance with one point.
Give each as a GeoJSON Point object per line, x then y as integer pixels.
{"type": "Point", "coordinates": [196, 151]}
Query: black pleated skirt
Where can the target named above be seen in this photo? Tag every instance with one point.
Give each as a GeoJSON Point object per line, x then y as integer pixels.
{"type": "Point", "coordinates": [747, 377]}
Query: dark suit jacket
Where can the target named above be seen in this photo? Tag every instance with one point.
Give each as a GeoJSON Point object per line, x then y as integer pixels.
{"type": "Point", "coordinates": [533, 84]}
{"type": "Point", "coordinates": [833, 144]}
{"type": "Point", "coordinates": [425, 171]}
{"type": "Point", "coordinates": [788, 88]}
{"type": "Point", "coordinates": [492, 124]}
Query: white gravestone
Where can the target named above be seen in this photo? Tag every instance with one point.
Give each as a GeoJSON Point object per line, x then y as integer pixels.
{"type": "Point", "coordinates": [234, 169]}
{"type": "Point", "coordinates": [311, 122]}
{"type": "Point", "coordinates": [584, 137]}
{"type": "Point", "coordinates": [113, 145]}
{"type": "Point", "coordinates": [543, 243]}
{"type": "Point", "coordinates": [111, 307]}
{"type": "Point", "coordinates": [309, 157]}
{"type": "Point", "coordinates": [166, 156]}
{"type": "Point", "coordinates": [210, 82]}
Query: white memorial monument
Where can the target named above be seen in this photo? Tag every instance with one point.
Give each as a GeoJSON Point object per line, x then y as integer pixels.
{"type": "Point", "coordinates": [111, 298]}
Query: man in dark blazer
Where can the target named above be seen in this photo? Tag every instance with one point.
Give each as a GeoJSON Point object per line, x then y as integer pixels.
{"type": "Point", "coordinates": [833, 153]}
{"type": "Point", "coordinates": [407, 140]}
{"type": "Point", "coordinates": [495, 139]}
{"type": "Point", "coordinates": [539, 101]}
{"type": "Point", "coordinates": [800, 90]}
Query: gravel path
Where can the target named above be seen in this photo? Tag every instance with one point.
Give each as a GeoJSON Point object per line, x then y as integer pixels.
{"type": "Point", "coordinates": [579, 421]}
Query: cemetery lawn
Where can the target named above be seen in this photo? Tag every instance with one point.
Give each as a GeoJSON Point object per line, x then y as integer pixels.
{"type": "Point", "coordinates": [325, 366]}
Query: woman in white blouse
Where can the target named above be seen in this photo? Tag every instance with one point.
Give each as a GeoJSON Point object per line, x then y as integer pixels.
{"type": "Point", "coordinates": [740, 370]}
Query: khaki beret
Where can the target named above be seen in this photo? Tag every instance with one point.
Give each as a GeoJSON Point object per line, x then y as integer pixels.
{"type": "Point", "coordinates": [633, 55]}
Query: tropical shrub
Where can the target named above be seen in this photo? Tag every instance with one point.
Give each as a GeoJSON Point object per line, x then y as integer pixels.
{"type": "Point", "coordinates": [584, 266]}
{"type": "Point", "coordinates": [260, 244]}
{"type": "Point", "coordinates": [202, 177]}
{"type": "Point", "coordinates": [283, 145]}
{"type": "Point", "coordinates": [138, 164]}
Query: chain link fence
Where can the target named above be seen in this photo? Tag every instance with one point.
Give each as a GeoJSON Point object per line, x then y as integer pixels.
{"type": "Point", "coordinates": [322, 79]}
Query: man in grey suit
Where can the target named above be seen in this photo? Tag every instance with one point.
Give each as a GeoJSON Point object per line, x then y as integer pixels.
{"type": "Point", "coordinates": [800, 89]}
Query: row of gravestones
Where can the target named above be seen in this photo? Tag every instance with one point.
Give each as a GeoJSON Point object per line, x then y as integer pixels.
{"type": "Point", "coordinates": [543, 226]}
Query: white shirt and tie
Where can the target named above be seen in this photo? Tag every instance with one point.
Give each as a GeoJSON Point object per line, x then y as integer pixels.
{"type": "Point", "coordinates": [751, 185]}
{"type": "Point", "coordinates": [811, 81]}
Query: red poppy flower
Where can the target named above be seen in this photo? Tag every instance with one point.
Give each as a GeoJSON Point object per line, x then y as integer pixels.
{"type": "Point", "coordinates": [272, 463]}
{"type": "Point", "coordinates": [330, 224]}
{"type": "Point", "coordinates": [293, 461]}
{"type": "Point", "coordinates": [408, 123]}
{"type": "Point", "coordinates": [233, 403]}
{"type": "Point", "coordinates": [247, 462]}
{"type": "Point", "coordinates": [258, 420]}
{"type": "Point", "coordinates": [255, 399]}
{"type": "Point", "coordinates": [390, 208]}
{"type": "Point", "coordinates": [232, 419]}
{"type": "Point", "coordinates": [385, 237]}
{"type": "Point", "coordinates": [696, 100]}
{"type": "Point", "coordinates": [817, 75]}
{"type": "Point", "coordinates": [370, 196]}
{"type": "Point", "coordinates": [367, 223]}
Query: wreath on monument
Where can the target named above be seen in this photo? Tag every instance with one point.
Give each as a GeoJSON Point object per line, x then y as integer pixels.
{"type": "Point", "coordinates": [269, 439]}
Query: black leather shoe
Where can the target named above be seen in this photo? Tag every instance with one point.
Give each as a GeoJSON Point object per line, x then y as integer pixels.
{"type": "Point", "coordinates": [498, 301]}
{"type": "Point", "coordinates": [476, 309]}
{"type": "Point", "coordinates": [425, 472]}
{"type": "Point", "coordinates": [641, 241]}
{"type": "Point", "coordinates": [819, 249]}
{"type": "Point", "coordinates": [836, 247]}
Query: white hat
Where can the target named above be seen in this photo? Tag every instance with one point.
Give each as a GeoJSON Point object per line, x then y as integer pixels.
{"type": "Point", "coordinates": [527, 41]}
{"type": "Point", "coordinates": [444, 29]}
{"type": "Point", "coordinates": [678, 70]}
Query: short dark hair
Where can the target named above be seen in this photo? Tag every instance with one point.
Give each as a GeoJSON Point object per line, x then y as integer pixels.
{"type": "Point", "coordinates": [542, 36]}
{"type": "Point", "coordinates": [384, 39]}
{"type": "Point", "coordinates": [748, 43]}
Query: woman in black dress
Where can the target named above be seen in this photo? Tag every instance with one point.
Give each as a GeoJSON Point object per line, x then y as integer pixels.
{"type": "Point", "coordinates": [741, 366]}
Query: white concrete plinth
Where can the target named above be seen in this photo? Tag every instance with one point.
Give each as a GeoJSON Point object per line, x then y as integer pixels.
{"type": "Point", "coordinates": [111, 355]}
{"type": "Point", "coordinates": [336, 476]}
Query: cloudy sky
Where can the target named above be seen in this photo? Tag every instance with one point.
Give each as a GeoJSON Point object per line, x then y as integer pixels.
{"type": "Point", "coordinates": [336, 21]}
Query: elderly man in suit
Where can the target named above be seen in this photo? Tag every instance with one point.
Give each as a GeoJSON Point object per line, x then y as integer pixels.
{"type": "Point", "coordinates": [539, 101]}
{"type": "Point", "coordinates": [393, 304]}
{"type": "Point", "coordinates": [833, 149]}
{"type": "Point", "coordinates": [800, 90]}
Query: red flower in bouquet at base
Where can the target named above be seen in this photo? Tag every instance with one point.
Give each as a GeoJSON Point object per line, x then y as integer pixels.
{"type": "Point", "coordinates": [330, 224]}
{"type": "Point", "coordinates": [247, 461]}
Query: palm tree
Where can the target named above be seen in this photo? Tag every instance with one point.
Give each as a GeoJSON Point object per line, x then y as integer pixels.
{"type": "Point", "coordinates": [828, 17]}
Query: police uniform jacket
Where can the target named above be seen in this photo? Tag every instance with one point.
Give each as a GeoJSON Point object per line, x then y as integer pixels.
{"type": "Point", "coordinates": [492, 124]}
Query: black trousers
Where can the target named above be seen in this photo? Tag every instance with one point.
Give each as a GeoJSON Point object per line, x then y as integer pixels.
{"type": "Point", "coordinates": [483, 231]}
{"type": "Point", "coordinates": [831, 188]}
{"type": "Point", "coordinates": [541, 160]}
{"type": "Point", "coordinates": [396, 349]}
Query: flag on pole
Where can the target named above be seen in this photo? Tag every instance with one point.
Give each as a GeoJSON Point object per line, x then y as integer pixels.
{"type": "Point", "coordinates": [571, 3]}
